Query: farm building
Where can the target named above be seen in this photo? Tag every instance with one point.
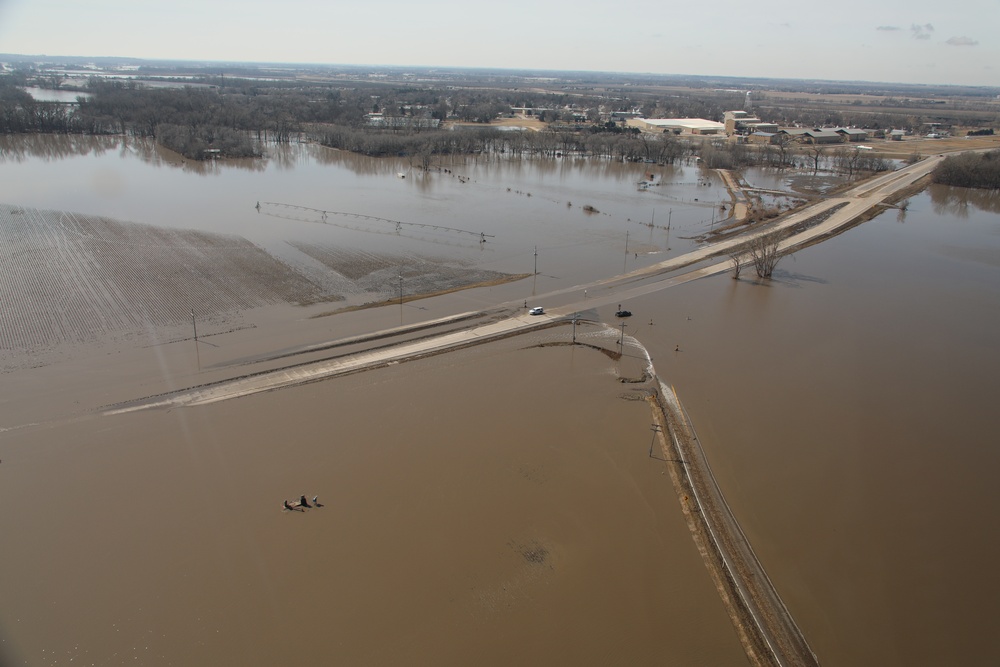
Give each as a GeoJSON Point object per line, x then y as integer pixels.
{"type": "Point", "coordinates": [851, 133]}
{"type": "Point", "coordinates": [689, 125]}
{"type": "Point", "coordinates": [764, 138]}
{"type": "Point", "coordinates": [814, 135]}
{"type": "Point", "coordinates": [822, 137]}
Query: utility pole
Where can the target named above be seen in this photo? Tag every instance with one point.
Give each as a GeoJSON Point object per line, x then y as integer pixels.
{"type": "Point", "coordinates": [536, 260]}
{"type": "Point", "coordinates": [621, 341]}
{"type": "Point", "coordinates": [197, 352]}
{"type": "Point", "coordinates": [574, 328]}
{"type": "Point", "coordinates": [655, 428]}
{"type": "Point", "coordinates": [400, 299]}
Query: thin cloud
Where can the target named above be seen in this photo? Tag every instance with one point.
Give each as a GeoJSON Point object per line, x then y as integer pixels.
{"type": "Point", "coordinates": [921, 31]}
{"type": "Point", "coordinates": [888, 28]}
{"type": "Point", "coordinates": [962, 41]}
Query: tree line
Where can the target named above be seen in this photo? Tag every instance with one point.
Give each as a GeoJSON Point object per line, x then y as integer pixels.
{"type": "Point", "coordinates": [970, 170]}
{"type": "Point", "coordinates": [233, 117]}
{"type": "Point", "coordinates": [849, 160]}
{"type": "Point", "coordinates": [424, 145]}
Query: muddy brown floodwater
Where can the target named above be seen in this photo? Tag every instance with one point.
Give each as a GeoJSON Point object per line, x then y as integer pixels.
{"type": "Point", "coordinates": [496, 504]}
{"type": "Point", "coordinates": [491, 506]}
{"type": "Point", "coordinates": [846, 410]}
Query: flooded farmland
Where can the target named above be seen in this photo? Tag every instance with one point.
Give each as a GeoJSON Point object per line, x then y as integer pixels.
{"type": "Point", "coordinates": [502, 491]}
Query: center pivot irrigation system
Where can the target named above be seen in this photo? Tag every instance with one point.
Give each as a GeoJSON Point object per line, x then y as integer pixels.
{"type": "Point", "coordinates": [315, 215]}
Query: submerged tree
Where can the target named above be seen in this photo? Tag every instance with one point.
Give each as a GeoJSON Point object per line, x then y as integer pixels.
{"type": "Point", "coordinates": [738, 258]}
{"type": "Point", "coordinates": [765, 253]}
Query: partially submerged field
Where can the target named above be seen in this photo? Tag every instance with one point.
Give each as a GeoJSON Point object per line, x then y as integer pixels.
{"type": "Point", "coordinates": [69, 279]}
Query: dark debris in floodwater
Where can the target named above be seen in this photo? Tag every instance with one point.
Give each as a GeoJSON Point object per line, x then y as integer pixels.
{"type": "Point", "coordinates": [533, 553]}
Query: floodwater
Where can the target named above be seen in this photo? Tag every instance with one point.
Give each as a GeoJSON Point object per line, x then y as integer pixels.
{"type": "Point", "coordinates": [49, 95]}
{"type": "Point", "coordinates": [846, 408]}
{"type": "Point", "coordinates": [493, 506]}
{"type": "Point", "coordinates": [524, 206]}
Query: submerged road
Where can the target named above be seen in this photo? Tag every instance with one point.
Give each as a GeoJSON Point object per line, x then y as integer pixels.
{"type": "Point", "coordinates": [766, 628]}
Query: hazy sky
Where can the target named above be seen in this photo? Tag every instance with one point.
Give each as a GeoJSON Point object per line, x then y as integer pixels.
{"type": "Point", "coordinates": [913, 41]}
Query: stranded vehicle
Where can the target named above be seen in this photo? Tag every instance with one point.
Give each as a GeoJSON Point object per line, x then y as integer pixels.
{"type": "Point", "coordinates": [537, 310]}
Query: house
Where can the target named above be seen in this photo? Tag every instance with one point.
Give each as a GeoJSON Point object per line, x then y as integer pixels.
{"type": "Point", "coordinates": [897, 135]}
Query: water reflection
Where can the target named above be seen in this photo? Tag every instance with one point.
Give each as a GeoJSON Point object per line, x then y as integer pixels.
{"type": "Point", "coordinates": [954, 201]}
{"type": "Point", "coordinates": [519, 203]}
{"type": "Point", "coordinates": [49, 95]}
{"type": "Point", "coordinates": [54, 147]}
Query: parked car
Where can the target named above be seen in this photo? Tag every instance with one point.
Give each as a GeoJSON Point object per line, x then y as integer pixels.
{"type": "Point", "coordinates": [537, 310]}
{"type": "Point", "coordinates": [623, 313]}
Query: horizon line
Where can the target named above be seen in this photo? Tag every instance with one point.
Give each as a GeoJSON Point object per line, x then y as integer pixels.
{"type": "Point", "coordinates": [203, 61]}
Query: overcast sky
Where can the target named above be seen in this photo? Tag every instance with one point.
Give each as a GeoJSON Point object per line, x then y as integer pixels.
{"type": "Point", "coordinates": [911, 41]}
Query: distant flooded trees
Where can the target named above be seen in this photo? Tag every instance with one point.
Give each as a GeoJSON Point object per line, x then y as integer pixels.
{"type": "Point", "coordinates": [970, 170]}
{"type": "Point", "coordinates": [195, 121]}
{"type": "Point", "coordinates": [849, 160]}
{"type": "Point", "coordinates": [512, 143]}
{"type": "Point", "coordinates": [22, 114]}
{"type": "Point", "coordinates": [854, 160]}
{"type": "Point", "coordinates": [203, 141]}
{"type": "Point", "coordinates": [730, 155]}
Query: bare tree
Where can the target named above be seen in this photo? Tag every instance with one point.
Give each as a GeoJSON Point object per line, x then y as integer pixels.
{"type": "Point", "coordinates": [816, 151]}
{"type": "Point", "coordinates": [848, 159]}
{"type": "Point", "coordinates": [738, 258]}
{"type": "Point", "coordinates": [784, 141]}
{"type": "Point", "coordinates": [765, 253]}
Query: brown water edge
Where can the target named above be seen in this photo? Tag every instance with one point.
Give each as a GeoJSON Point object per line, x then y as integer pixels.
{"type": "Point", "coordinates": [492, 506]}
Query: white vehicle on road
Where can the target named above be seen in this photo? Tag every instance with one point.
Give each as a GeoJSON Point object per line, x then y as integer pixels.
{"type": "Point", "coordinates": [537, 310]}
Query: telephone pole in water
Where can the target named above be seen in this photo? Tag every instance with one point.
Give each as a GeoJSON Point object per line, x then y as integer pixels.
{"type": "Point", "coordinates": [197, 352]}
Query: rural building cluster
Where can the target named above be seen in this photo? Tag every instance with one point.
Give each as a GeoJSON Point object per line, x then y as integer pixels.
{"type": "Point", "coordinates": [751, 129]}
{"type": "Point", "coordinates": [742, 125]}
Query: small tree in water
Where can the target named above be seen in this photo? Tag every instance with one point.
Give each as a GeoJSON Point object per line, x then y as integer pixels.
{"type": "Point", "coordinates": [765, 253]}
{"type": "Point", "coordinates": [738, 257]}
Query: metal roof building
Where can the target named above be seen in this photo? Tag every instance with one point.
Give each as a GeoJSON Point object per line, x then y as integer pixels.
{"type": "Point", "coordinates": [692, 125]}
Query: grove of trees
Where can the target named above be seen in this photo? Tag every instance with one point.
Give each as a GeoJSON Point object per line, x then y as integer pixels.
{"type": "Point", "coordinates": [970, 170]}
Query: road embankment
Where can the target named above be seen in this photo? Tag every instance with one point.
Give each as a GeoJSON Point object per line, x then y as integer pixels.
{"type": "Point", "coordinates": [765, 627]}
